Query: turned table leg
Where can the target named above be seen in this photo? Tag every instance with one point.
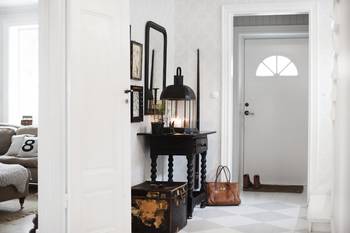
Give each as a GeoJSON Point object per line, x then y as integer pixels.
{"type": "Point", "coordinates": [190, 185]}
{"type": "Point", "coordinates": [154, 167]}
{"type": "Point", "coordinates": [196, 172]}
{"type": "Point", "coordinates": [204, 177]}
{"type": "Point", "coordinates": [170, 168]}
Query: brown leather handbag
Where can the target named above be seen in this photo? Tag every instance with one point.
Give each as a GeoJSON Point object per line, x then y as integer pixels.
{"type": "Point", "coordinates": [223, 193]}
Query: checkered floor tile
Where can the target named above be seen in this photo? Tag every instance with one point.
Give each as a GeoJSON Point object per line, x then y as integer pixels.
{"type": "Point", "coordinates": [258, 213]}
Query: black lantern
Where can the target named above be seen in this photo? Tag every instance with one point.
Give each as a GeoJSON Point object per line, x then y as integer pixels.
{"type": "Point", "coordinates": [179, 103]}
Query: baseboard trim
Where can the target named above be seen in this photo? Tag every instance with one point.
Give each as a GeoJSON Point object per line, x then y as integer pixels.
{"type": "Point", "coordinates": [319, 213]}
{"type": "Point", "coordinates": [320, 227]}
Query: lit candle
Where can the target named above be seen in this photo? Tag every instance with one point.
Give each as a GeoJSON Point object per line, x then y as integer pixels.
{"type": "Point", "coordinates": [177, 122]}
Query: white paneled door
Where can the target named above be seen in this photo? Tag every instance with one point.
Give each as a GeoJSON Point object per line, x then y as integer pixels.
{"type": "Point", "coordinates": [276, 110]}
{"type": "Point", "coordinates": [98, 116]}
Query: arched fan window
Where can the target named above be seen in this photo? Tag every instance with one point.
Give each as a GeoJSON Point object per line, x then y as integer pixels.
{"type": "Point", "coordinates": [276, 66]}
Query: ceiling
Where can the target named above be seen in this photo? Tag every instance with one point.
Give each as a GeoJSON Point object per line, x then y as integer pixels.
{"type": "Point", "coordinates": [16, 3]}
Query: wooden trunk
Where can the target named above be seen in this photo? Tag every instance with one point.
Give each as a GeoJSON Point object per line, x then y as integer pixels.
{"type": "Point", "coordinates": [159, 207]}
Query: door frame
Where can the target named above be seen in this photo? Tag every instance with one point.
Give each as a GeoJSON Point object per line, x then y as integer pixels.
{"type": "Point", "coordinates": [241, 35]}
{"type": "Point", "coordinates": [230, 140]}
{"type": "Point", "coordinates": [53, 92]}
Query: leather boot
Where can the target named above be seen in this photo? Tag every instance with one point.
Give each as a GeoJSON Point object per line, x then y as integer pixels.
{"type": "Point", "coordinates": [246, 181]}
{"type": "Point", "coordinates": [257, 183]}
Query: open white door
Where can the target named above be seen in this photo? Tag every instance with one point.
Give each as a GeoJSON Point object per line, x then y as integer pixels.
{"type": "Point", "coordinates": [98, 116]}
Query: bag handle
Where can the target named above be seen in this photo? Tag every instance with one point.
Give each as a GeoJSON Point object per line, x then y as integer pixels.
{"type": "Point", "coordinates": [227, 173]}
{"type": "Point", "coordinates": [218, 171]}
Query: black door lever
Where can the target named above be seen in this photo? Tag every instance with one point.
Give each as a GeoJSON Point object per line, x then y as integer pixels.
{"type": "Point", "coordinates": [247, 113]}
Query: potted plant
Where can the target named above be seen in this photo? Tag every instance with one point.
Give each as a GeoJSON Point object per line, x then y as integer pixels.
{"type": "Point", "coordinates": [157, 118]}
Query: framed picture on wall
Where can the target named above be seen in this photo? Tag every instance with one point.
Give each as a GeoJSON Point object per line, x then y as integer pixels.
{"type": "Point", "coordinates": [136, 105]}
{"type": "Point", "coordinates": [136, 53]}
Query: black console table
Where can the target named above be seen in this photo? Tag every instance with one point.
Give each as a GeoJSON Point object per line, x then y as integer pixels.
{"type": "Point", "coordinates": [190, 145]}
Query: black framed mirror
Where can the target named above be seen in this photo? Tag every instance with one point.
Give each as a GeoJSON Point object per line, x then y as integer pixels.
{"type": "Point", "coordinates": [156, 44]}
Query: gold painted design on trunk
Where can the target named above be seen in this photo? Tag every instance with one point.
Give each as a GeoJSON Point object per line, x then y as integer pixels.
{"type": "Point", "coordinates": [150, 212]}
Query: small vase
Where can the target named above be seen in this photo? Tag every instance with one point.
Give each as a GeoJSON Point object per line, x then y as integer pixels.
{"type": "Point", "coordinates": [157, 128]}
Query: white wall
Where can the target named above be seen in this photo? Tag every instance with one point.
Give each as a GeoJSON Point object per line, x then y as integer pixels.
{"type": "Point", "coordinates": [342, 186]}
{"type": "Point", "coordinates": [198, 25]}
{"type": "Point", "coordinates": [161, 12]}
{"type": "Point", "coordinates": [10, 16]}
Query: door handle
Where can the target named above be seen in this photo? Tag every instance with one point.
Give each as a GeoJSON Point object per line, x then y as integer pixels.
{"type": "Point", "coordinates": [247, 113]}
{"type": "Point", "coordinates": [127, 92]}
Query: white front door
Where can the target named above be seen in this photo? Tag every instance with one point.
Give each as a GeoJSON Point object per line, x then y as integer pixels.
{"type": "Point", "coordinates": [98, 116]}
{"type": "Point", "coordinates": [276, 110]}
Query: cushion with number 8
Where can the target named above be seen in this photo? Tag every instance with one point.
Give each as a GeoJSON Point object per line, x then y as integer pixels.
{"type": "Point", "coordinates": [29, 147]}
{"type": "Point", "coordinates": [16, 144]}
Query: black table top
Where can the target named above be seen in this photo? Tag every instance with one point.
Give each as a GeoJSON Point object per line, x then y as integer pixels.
{"type": "Point", "coordinates": [198, 134]}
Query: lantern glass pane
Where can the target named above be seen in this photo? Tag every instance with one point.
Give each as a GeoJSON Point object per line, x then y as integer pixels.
{"type": "Point", "coordinates": [180, 112]}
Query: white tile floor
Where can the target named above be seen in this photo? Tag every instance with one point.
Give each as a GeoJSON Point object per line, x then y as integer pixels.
{"type": "Point", "coordinates": [258, 213]}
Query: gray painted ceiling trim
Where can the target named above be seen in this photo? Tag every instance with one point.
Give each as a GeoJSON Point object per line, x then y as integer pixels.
{"type": "Point", "coordinates": [271, 20]}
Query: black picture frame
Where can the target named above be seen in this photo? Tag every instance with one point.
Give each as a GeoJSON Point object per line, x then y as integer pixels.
{"type": "Point", "coordinates": [148, 87]}
{"type": "Point", "coordinates": [136, 103]}
{"type": "Point", "coordinates": [136, 56]}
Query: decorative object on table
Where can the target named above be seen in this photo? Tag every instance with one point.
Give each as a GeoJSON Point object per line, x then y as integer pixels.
{"type": "Point", "coordinates": [156, 40]}
{"type": "Point", "coordinates": [172, 128]}
{"type": "Point", "coordinates": [149, 91]}
{"type": "Point", "coordinates": [136, 53]}
{"type": "Point", "coordinates": [198, 90]}
{"type": "Point", "coordinates": [27, 120]}
{"type": "Point", "coordinates": [159, 207]}
{"type": "Point", "coordinates": [196, 175]}
{"type": "Point", "coordinates": [186, 145]}
{"type": "Point", "coordinates": [157, 128]}
{"type": "Point", "coordinates": [179, 101]}
{"type": "Point", "coordinates": [157, 120]}
{"type": "Point", "coordinates": [136, 105]}
{"type": "Point", "coordinates": [223, 193]}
